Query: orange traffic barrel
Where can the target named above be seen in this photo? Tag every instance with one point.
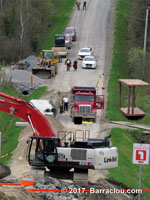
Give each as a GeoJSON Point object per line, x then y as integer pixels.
{"type": "Point", "coordinates": [27, 181]}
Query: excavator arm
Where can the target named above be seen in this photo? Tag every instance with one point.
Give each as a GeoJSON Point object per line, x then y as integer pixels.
{"type": "Point", "coordinates": [23, 110]}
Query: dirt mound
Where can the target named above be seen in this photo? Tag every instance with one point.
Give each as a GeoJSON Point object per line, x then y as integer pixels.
{"type": "Point", "coordinates": [56, 125]}
{"type": "Point", "coordinates": [4, 171]}
{"type": "Point", "coordinates": [16, 193]}
{"type": "Point", "coordinates": [143, 137]}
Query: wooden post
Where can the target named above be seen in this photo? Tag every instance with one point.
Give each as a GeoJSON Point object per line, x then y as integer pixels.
{"type": "Point", "coordinates": [133, 100]}
{"type": "Point", "coordinates": [120, 91]}
{"type": "Point", "coordinates": [129, 97]}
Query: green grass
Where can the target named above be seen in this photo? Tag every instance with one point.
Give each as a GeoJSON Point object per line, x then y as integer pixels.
{"type": "Point", "coordinates": [59, 21]}
{"type": "Point", "coordinates": [120, 70]}
{"type": "Point", "coordinates": [127, 172]}
{"type": "Point", "coordinates": [9, 131]}
{"type": "Point", "coordinates": [119, 61]}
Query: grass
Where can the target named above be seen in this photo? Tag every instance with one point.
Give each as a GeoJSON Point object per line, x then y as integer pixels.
{"type": "Point", "coordinates": [127, 172]}
{"type": "Point", "coordinates": [9, 131]}
{"type": "Point", "coordinates": [59, 21]}
{"type": "Point", "coordinates": [120, 70]}
{"type": "Point", "coordinates": [119, 61]}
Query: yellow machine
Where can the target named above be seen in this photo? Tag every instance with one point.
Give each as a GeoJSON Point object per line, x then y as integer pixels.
{"type": "Point", "coordinates": [49, 56]}
{"type": "Point", "coordinates": [48, 63]}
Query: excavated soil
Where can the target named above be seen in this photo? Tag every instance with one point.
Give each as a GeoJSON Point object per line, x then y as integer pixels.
{"type": "Point", "coordinates": [16, 193]}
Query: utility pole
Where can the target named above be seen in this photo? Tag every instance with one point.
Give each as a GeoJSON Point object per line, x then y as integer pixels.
{"type": "Point", "coordinates": [145, 35]}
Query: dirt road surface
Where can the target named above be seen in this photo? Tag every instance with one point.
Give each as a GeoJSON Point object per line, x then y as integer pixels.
{"type": "Point", "coordinates": [94, 28]}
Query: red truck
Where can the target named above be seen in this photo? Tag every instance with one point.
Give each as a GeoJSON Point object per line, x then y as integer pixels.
{"type": "Point", "coordinates": [84, 104]}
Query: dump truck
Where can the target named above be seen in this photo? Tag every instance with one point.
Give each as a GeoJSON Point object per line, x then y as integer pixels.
{"type": "Point", "coordinates": [60, 40]}
{"type": "Point", "coordinates": [47, 63]}
{"type": "Point", "coordinates": [61, 51]}
{"type": "Point", "coordinates": [84, 104]}
{"type": "Point", "coordinates": [60, 45]}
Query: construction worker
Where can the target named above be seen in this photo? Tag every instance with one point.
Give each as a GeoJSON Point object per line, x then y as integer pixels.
{"type": "Point", "coordinates": [78, 5]}
{"type": "Point", "coordinates": [68, 63]}
{"type": "Point", "coordinates": [29, 63]}
{"type": "Point", "coordinates": [75, 65]}
{"type": "Point", "coordinates": [84, 5]}
{"type": "Point", "coordinates": [66, 102]}
{"type": "Point", "coordinates": [12, 66]}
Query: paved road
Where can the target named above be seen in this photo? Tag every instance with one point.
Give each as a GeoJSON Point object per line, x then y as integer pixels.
{"type": "Point", "coordinates": [92, 28]}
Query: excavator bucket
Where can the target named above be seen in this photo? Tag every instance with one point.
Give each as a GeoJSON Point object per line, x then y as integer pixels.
{"type": "Point", "coordinates": [4, 171]}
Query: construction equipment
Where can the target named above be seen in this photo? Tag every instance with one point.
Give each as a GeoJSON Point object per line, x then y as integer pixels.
{"type": "Point", "coordinates": [21, 65]}
{"type": "Point", "coordinates": [4, 171]}
{"type": "Point", "coordinates": [61, 51]}
{"type": "Point", "coordinates": [47, 63]}
{"type": "Point", "coordinates": [84, 104]}
{"type": "Point", "coordinates": [60, 40]}
{"type": "Point", "coordinates": [46, 107]}
{"type": "Point", "coordinates": [60, 45]}
{"type": "Point", "coordinates": [63, 151]}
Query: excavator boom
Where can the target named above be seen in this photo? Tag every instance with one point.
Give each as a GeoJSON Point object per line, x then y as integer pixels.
{"type": "Point", "coordinates": [23, 110]}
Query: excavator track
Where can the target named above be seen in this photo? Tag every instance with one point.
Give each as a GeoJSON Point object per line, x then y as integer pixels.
{"type": "Point", "coordinates": [80, 177]}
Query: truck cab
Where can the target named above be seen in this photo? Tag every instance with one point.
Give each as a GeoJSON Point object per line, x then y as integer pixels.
{"type": "Point", "coordinates": [84, 104]}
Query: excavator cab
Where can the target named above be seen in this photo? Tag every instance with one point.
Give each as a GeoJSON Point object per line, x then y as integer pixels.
{"type": "Point", "coordinates": [43, 150]}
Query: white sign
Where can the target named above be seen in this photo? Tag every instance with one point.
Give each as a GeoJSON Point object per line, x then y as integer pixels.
{"type": "Point", "coordinates": [141, 153]}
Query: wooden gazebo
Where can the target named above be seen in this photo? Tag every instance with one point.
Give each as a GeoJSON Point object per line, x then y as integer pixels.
{"type": "Point", "coordinates": [131, 110]}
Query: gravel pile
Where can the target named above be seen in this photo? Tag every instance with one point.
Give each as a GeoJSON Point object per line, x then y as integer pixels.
{"type": "Point", "coordinates": [51, 183]}
{"type": "Point", "coordinates": [21, 81]}
{"type": "Point", "coordinates": [32, 59]}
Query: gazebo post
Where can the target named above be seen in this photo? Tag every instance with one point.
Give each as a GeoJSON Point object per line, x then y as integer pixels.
{"type": "Point", "coordinates": [120, 92]}
{"type": "Point", "coordinates": [129, 98]}
{"type": "Point", "coordinates": [133, 100]}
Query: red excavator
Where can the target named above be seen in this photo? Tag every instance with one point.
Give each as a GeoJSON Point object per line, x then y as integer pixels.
{"type": "Point", "coordinates": [64, 152]}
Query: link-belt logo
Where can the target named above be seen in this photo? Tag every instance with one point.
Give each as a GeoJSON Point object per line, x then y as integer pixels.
{"type": "Point", "coordinates": [3, 106]}
{"type": "Point", "coordinates": [110, 159]}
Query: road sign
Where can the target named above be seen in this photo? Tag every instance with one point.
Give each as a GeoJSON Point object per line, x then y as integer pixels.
{"type": "Point", "coordinates": [141, 153]}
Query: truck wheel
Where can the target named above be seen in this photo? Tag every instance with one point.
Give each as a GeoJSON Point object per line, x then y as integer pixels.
{"type": "Point", "coordinates": [56, 69]}
{"type": "Point", "coordinates": [50, 74]}
{"type": "Point", "coordinates": [78, 120]}
{"type": "Point", "coordinates": [53, 71]}
{"type": "Point", "coordinates": [94, 120]}
{"type": "Point", "coordinates": [34, 71]}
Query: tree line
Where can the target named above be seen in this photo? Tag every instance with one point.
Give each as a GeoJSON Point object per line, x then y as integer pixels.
{"type": "Point", "coordinates": [138, 66]}
{"type": "Point", "coordinates": [24, 25]}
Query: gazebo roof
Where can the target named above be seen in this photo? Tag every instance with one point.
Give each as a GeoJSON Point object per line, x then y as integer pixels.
{"type": "Point", "coordinates": [133, 82]}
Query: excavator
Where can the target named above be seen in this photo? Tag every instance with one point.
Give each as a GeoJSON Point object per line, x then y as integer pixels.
{"type": "Point", "coordinates": [65, 151]}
